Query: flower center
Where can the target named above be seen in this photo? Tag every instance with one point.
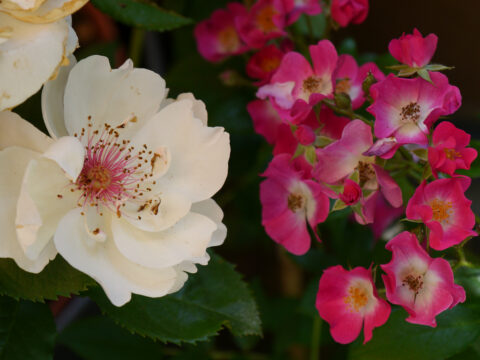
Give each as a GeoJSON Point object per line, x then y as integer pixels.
{"type": "Point", "coordinates": [315, 85]}
{"type": "Point", "coordinates": [357, 298]}
{"type": "Point", "coordinates": [366, 172]}
{"type": "Point", "coordinates": [343, 86]}
{"type": "Point", "coordinates": [228, 38]}
{"type": "Point", "coordinates": [410, 113]}
{"type": "Point", "coordinates": [265, 19]}
{"type": "Point", "coordinates": [113, 170]}
{"type": "Point", "coordinates": [270, 64]}
{"type": "Point", "coordinates": [296, 202]}
{"type": "Point", "coordinates": [452, 154]}
{"type": "Point", "coordinates": [415, 283]}
{"type": "Point", "coordinates": [441, 210]}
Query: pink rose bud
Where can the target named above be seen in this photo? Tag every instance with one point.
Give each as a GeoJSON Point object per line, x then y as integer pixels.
{"type": "Point", "coordinates": [345, 12]}
{"type": "Point", "coordinates": [305, 135]}
{"type": "Point", "coordinates": [351, 192]}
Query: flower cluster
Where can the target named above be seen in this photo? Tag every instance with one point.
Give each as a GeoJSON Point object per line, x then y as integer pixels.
{"type": "Point", "coordinates": [327, 156]}
{"type": "Point", "coordinates": [122, 188]}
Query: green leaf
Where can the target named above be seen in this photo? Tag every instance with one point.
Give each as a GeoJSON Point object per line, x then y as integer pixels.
{"type": "Point", "coordinates": [27, 330]}
{"type": "Point", "coordinates": [142, 14]}
{"type": "Point", "coordinates": [469, 278]}
{"type": "Point", "coordinates": [424, 75]}
{"type": "Point", "coordinates": [398, 340]}
{"type": "Point", "coordinates": [98, 338]}
{"type": "Point", "coordinates": [57, 279]}
{"type": "Point", "coordinates": [214, 297]}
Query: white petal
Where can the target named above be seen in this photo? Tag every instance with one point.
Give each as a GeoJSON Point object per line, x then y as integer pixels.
{"type": "Point", "coordinates": [52, 101]}
{"type": "Point", "coordinates": [199, 109]}
{"type": "Point", "coordinates": [117, 275]}
{"type": "Point", "coordinates": [14, 131]}
{"type": "Point", "coordinates": [13, 162]}
{"type": "Point", "coordinates": [157, 213]}
{"type": "Point", "coordinates": [44, 199]}
{"type": "Point", "coordinates": [122, 97]}
{"type": "Point", "coordinates": [187, 239]}
{"type": "Point", "coordinates": [200, 154]}
{"type": "Point", "coordinates": [49, 10]}
{"type": "Point", "coordinates": [30, 56]}
{"type": "Point", "coordinates": [69, 153]}
{"type": "Point", "coordinates": [211, 209]}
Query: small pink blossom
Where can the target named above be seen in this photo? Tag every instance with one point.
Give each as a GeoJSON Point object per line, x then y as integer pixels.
{"type": "Point", "coordinates": [348, 300]}
{"type": "Point", "coordinates": [217, 37]}
{"type": "Point", "coordinates": [413, 50]}
{"type": "Point", "coordinates": [264, 21]}
{"type": "Point", "coordinates": [296, 87]}
{"type": "Point", "coordinates": [290, 201]}
{"type": "Point", "coordinates": [443, 207]}
{"type": "Point", "coordinates": [345, 12]}
{"type": "Point", "coordinates": [349, 78]}
{"type": "Point", "coordinates": [423, 286]}
{"type": "Point", "coordinates": [352, 192]}
{"type": "Point", "coordinates": [384, 148]}
{"type": "Point", "coordinates": [449, 151]}
{"type": "Point", "coordinates": [406, 108]}
{"type": "Point", "coordinates": [263, 64]}
{"type": "Point", "coordinates": [295, 8]}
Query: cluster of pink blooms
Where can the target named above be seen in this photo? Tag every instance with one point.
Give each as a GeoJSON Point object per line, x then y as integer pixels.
{"type": "Point", "coordinates": [326, 157]}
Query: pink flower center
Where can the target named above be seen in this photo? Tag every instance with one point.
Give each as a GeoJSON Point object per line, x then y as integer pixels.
{"type": "Point", "coordinates": [410, 113]}
{"type": "Point", "coordinates": [265, 19]}
{"type": "Point", "coordinates": [357, 298]}
{"type": "Point", "coordinates": [270, 64]}
{"type": "Point", "coordinates": [415, 283]}
{"type": "Point", "coordinates": [296, 202]}
{"type": "Point", "coordinates": [441, 210]}
{"type": "Point", "coordinates": [343, 86]}
{"type": "Point", "coordinates": [113, 171]}
{"type": "Point", "coordinates": [366, 172]}
{"type": "Point", "coordinates": [229, 40]}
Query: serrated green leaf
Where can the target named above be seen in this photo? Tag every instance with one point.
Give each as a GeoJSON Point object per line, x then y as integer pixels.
{"type": "Point", "coordinates": [99, 338]}
{"type": "Point", "coordinates": [142, 14]}
{"type": "Point", "coordinates": [27, 330]}
{"type": "Point", "coordinates": [398, 340]}
{"type": "Point", "coordinates": [57, 279]}
{"type": "Point", "coordinates": [214, 297]}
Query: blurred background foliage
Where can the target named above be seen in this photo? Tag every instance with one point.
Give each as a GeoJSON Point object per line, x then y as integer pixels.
{"type": "Point", "coordinates": [284, 286]}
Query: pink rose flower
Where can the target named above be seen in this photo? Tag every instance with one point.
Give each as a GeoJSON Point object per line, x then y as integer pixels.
{"type": "Point", "coordinates": [263, 64]}
{"type": "Point", "coordinates": [217, 37]}
{"type": "Point", "coordinates": [349, 78]}
{"type": "Point", "coordinates": [296, 87]}
{"type": "Point", "coordinates": [290, 201]}
{"type": "Point", "coordinates": [345, 12]}
{"type": "Point", "coordinates": [348, 300]}
{"type": "Point", "coordinates": [266, 120]}
{"type": "Point", "coordinates": [264, 21]}
{"type": "Point", "coordinates": [423, 286]}
{"type": "Point", "coordinates": [406, 108]}
{"type": "Point", "coordinates": [352, 192]}
{"type": "Point", "coordinates": [413, 50]}
{"type": "Point", "coordinates": [443, 207]}
{"type": "Point", "coordinates": [449, 151]}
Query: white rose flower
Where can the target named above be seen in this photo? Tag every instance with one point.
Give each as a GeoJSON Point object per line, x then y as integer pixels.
{"type": "Point", "coordinates": [125, 189]}
{"type": "Point", "coordinates": [36, 39]}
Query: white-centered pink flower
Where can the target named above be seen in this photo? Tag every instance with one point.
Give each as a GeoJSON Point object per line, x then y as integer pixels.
{"type": "Point", "coordinates": [125, 189]}
{"type": "Point", "coordinates": [422, 285]}
{"type": "Point", "coordinates": [36, 39]}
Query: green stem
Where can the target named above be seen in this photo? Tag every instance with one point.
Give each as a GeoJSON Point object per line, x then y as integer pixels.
{"type": "Point", "coordinates": [348, 113]}
{"type": "Point", "coordinates": [137, 41]}
{"type": "Point", "coordinates": [309, 27]}
{"type": "Point", "coordinates": [316, 338]}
